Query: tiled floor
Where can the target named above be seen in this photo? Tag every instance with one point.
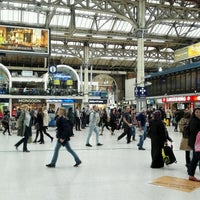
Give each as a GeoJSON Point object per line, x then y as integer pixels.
{"type": "Point", "coordinates": [114, 171]}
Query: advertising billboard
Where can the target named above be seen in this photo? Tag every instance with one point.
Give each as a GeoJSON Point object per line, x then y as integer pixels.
{"type": "Point", "coordinates": [188, 52]}
{"type": "Point", "coordinates": [26, 40]}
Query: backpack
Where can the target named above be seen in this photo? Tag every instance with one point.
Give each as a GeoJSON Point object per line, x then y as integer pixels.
{"type": "Point", "coordinates": [168, 155]}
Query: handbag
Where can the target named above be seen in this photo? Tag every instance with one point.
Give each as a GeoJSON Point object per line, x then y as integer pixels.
{"type": "Point", "coordinates": [184, 145]}
{"type": "Point", "coordinates": [168, 154]}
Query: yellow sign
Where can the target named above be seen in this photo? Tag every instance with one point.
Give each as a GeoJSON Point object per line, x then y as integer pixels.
{"type": "Point", "coordinates": [69, 82]}
{"type": "Point", "coordinates": [56, 82]}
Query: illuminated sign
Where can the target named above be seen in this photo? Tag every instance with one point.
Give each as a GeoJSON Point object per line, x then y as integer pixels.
{"type": "Point", "coordinates": [15, 39]}
{"type": "Point", "coordinates": [97, 101]}
{"type": "Point", "coordinates": [29, 100]}
{"type": "Point", "coordinates": [140, 91]}
{"type": "Point", "coordinates": [60, 100]}
{"type": "Point", "coordinates": [181, 99]}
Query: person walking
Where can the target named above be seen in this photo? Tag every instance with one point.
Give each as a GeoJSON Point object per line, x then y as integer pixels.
{"type": "Point", "coordinates": [93, 126]}
{"type": "Point", "coordinates": [183, 123]}
{"type": "Point", "coordinates": [142, 128]}
{"type": "Point", "coordinates": [63, 135]}
{"type": "Point", "coordinates": [127, 123]}
{"type": "Point", "coordinates": [24, 127]}
{"type": "Point", "coordinates": [46, 122]}
{"type": "Point", "coordinates": [194, 125]}
{"type": "Point", "coordinates": [77, 119]}
{"type": "Point", "coordinates": [104, 119]}
{"type": "Point", "coordinates": [39, 129]}
{"type": "Point", "coordinates": [113, 120]}
{"type": "Point", "coordinates": [5, 122]}
{"type": "Point", "coordinates": [134, 123]}
{"type": "Point", "coordinates": [71, 117]}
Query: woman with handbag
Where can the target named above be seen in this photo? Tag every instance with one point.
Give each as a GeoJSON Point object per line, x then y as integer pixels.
{"type": "Point", "coordinates": [63, 134]}
{"type": "Point", "coordinates": [183, 123]}
{"type": "Point", "coordinates": [157, 134]}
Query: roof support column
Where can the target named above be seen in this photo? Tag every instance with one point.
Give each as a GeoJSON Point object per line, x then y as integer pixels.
{"type": "Point", "coordinates": [141, 102]}
{"type": "Point", "coordinates": [86, 64]}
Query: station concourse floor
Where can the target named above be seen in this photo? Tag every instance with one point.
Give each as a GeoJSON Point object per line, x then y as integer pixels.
{"type": "Point", "coordinates": [114, 171]}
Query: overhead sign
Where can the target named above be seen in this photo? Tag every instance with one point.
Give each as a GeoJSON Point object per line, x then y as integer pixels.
{"type": "Point", "coordinates": [52, 69]}
{"type": "Point", "coordinates": [140, 91]}
{"type": "Point", "coordinates": [97, 101]}
{"type": "Point", "coordinates": [187, 52]}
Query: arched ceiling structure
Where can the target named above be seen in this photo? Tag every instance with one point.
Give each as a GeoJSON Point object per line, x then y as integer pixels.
{"type": "Point", "coordinates": [109, 27]}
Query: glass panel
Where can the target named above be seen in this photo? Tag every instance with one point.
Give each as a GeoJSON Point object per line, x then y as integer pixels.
{"type": "Point", "coordinates": [29, 17]}
{"type": "Point", "coordinates": [188, 81]}
{"type": "Point", "coordinates": [169, 86]}
{"type": "Point", "coordinates": [163, 83]}
{"type": "Point", "coordinates": [178, 82]}
{"type": "Point", "coordinates": [183, 82]}
{"type": "Point", "coordinates": [193, 81]}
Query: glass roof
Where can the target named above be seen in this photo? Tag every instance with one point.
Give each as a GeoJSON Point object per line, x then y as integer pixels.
{"type": "Point", "coordinates": [105, 24]}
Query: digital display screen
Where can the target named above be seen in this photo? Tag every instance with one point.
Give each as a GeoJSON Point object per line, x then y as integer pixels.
{"type": "Point", "coordinates": [26, 40]}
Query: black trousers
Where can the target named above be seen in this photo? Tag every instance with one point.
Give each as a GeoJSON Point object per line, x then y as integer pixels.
{"type": "Point", "coordinates": [127, 132]}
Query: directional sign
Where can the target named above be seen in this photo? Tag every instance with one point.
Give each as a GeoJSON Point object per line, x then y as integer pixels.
{"type": "Point", "coordinates": [140, 91]}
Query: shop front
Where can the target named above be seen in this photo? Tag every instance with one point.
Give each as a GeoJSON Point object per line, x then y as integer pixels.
{"type": "Point", "coordinates": [181, 102]}
{"type": "Point", "coordinates": [33, 103]}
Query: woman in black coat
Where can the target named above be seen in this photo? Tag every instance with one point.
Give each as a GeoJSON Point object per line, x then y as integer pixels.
{"type": "Point", "coordinates": [158, 138]}
{"type": "Point", "coordinates": [63, 134]}
{"type": "Point", "coordinates": [194, 125]}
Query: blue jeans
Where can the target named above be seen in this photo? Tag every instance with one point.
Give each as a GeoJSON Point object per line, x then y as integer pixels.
{"type": "Point", "coordinates": [132, 129]}
{"type": "Point", "coordinates": [69, 149]}
{"type": "Point", "coordinates": [91, 129]}
{"type": "Point", "coordinates": [142, 137]}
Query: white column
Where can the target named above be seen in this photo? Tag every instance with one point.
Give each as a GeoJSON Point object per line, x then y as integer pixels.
{"type": "Point", "coordinates": [81, 78]}
{"type": "Point", "coordinates": [141, 102]}
{"type": "Point", "coordinates": [86, 63]}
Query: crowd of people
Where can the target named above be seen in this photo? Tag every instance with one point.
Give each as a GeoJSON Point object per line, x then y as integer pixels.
{"type": "Point", "coordinates": [150, 123]}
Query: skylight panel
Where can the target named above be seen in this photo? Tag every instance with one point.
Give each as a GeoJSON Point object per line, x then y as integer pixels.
{"type": "Point", "coordinates": [194, 33]}
{"type": "Point", "coordinates": [83, 22]}
{"type": "Point", "coordinates": [30, 17]}
{"type": "Point", "coordinates": [60, 20]}
{"type": "Point", "coordinates": [105, 25]}
{"type": "Point", "coordinates": [160, 29]}
{"type": "Point", "coordinates": [10, 15]}
{"type": "Point", "coordinates": [122, 26]}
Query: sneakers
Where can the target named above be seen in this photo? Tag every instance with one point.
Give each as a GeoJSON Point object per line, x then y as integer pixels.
{"type": "Point", "coordinates": [88, 145]}
{"type": "Point", "coordinates": [99, 144]}
{"type": "Point", "coordinates": [141, 148]}
{"type": "Point", "coordinates": [77, 164]}
{"type": "Point", "coordinates": [50, 165]}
